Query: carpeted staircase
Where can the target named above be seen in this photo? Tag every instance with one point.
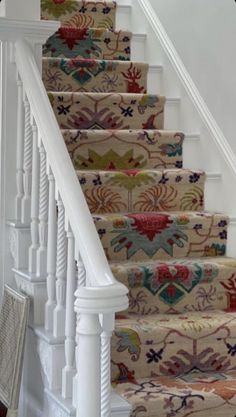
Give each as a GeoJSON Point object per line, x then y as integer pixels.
{"type": "Point", "coordinates": [174, 350]}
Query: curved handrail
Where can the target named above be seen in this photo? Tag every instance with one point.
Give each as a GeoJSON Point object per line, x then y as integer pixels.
{"type": "Point", "coordinates": [81, 222]}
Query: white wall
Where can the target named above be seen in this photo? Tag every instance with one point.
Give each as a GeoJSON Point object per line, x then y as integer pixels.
{"type": "Point", "coordinates": [204, 34]}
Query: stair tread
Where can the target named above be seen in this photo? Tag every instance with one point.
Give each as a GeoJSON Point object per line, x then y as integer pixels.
{"type": "Point", "coordinates": [193, 219]}
{"type": "Point", "coordinates": [80, 13]}
{"type": "Point", "coordinates": [174, 344]}
{"type": "Point", "coordinates": [124, 148]}
{"type": "Point", "coordinates": [108, 110]}
{"type": "Point", "coordinates": [212, 394]}
{"type": "Point", "coordinates": [100, 43]}
{"type": "Point", "coordinates": [176, 286]}
{"type": "Point", "coordinates": [89, 75]}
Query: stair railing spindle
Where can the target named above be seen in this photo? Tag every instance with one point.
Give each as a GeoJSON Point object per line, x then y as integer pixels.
{"type": "Point", "coordinates": [51, 255]}
{"type": "Point", "coordinates": [27, 165]}
{"type": "Point", "coordinates": [19, 150]}
{"type": "Point", "coordinates": [59, 312]}
{"type": "Point", "coordinates": [43, 215]}
{"type": "Point", "coordinates": [69, 370]}
{"type": "Point", "coordinates": [34, 203]}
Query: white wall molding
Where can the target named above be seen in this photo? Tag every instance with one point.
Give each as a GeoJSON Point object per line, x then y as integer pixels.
{"type": "Point", "coordinates": [191, 89]}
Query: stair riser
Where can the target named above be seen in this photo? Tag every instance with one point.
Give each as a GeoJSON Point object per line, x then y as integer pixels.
{"type": "Point", "coordinates": [92, 76]}
{"type": "Point", "coordinates": [78, 14]}
{"type": "Point", "coordinates": [173, 346]}
{"type": "Point", "coordinates": [124, 149]}
{"type": "Point", "coordinates": [90, 44]}
{"type": "Point", "coordinates": [108, 192]}
{"type": "Point", "coordinates": [111, 111]}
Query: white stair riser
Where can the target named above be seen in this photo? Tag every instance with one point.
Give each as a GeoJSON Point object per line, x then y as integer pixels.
{"type": "Point", "coordinates": [172, 114]}
{"type": "Point", "coordinates": [138, 44]}
{"type": "Point", "coordinates": [123, 17]}
{"type": "Point", "coordinates": [154, 85]}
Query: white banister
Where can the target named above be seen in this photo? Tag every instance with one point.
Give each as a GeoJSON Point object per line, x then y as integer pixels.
{"type": "Point", "coordinates": [69, 370]}
{"type": "Point", "coordinates": [59, 312]}
{"type": "Point", "coordinates": [27, 165]}
{"type": "Point", "coordinates": [92, 253]}
{"type": "Point", "coordinates": [19, 149]}
{"type": "Point", "coordinates": [34, 203]}
{"type": "Point", "coordinates": [51, 255]}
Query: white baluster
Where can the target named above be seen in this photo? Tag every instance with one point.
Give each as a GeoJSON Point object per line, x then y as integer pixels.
{"type": "Point", "coordinates": [59, 312]}
{"type": "Point", "coordinates": [19, 150]}
{"type": "Point", "coordinates": [34, 203]}
{"type": "Point", "coordinates": [26, 201]}
{"type": "Point", "coordinates": [108, 323]}
{"type": "Point", "coordinates": [43, 215]}
{"type": "Point", "coordinates": [81, 273]}
{"type": "Point", "coordinates": [69, 370]}
{"type": "Point", "coordinates": [51, 255]}
{"type": "Point", "coordinates": [89, 362]}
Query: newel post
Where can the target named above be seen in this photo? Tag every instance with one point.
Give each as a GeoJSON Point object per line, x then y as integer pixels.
{"type": "Point", "coordinates": [95, 308]}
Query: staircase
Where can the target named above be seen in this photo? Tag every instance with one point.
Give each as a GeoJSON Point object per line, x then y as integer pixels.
{"type": "Point", "coordinates": [115, 180]}
{"type": "Point", "coordinates": [173, 352]}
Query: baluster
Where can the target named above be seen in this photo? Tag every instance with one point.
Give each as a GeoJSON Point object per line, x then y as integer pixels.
{"type": "Point", "coordinates": [81, 273]}
{"type": "Point", "coordinates": [51, 255]}
{"type": "Point", "coordinates": [69, 370]}
{"type": "Point", "coordinates": [59, 312]}
{"type": "Point", "coordinates": [108, 323]}
{"type": "Point", "coordinates": [88, 366]}
{"type": "Point", "coordinates": [34, 203]}
{"type": "Point", "coordinates": [19, 150]}
{"type": "Point", "coordinates": [43, 215]}
{"type": "Point", "coordinates": [25, 213]}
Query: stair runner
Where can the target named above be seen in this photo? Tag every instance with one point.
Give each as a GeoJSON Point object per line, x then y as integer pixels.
{"type": "Point", "coordinates": [174, 350]}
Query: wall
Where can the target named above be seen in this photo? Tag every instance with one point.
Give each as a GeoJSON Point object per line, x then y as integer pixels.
{"type": "Point", "coordinates": [204, 34]}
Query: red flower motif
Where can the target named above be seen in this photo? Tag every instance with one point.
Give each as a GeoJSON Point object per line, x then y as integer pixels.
{"type": "Point", "coordinates": [59, 1]}
{"type": "Point", "coordinates": [72, 35]}
{"type": "Point", "coordinates": [150, 224]}
{"type": "Point", "coordinates": [131, 172]}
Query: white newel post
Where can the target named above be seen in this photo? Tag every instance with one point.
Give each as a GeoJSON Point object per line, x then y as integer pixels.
{"type": "Point", "coordinates": [96, 308]}
{"type": "Point", "coordinates": [89, 362]}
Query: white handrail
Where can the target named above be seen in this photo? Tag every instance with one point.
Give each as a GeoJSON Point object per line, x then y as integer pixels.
{"type": "Point", "coordinates": [82, 225]}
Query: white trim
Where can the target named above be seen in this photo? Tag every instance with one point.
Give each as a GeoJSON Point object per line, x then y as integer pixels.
{"type": "Point", "coordinates": [204, 112]}
{"type": "Point", "coordinates": [11, 29]}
